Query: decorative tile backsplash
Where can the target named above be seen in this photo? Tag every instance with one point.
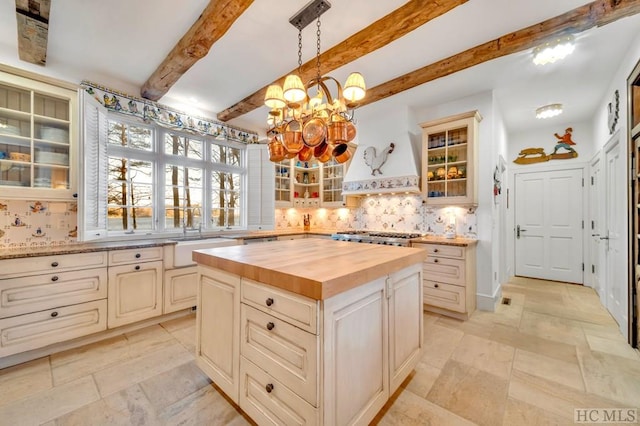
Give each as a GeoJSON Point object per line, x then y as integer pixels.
{"type": "Point", "coordinates": [37, 223]}
{"type": "Point", "coordinates": [385, 213]}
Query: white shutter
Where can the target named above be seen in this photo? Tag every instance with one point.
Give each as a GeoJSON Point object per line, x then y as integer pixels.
{"type": "Point", "coordinates": [92, 210]}
{"type": "Point", "coordinates": [260, 188]}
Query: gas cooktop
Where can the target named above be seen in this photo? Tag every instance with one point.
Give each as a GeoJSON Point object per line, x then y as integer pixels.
{"type": "Point", "coordinates": [375, 237]}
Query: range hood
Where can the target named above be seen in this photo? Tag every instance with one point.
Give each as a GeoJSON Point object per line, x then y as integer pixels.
{"type": "Point", "coordinates": [383, 167]}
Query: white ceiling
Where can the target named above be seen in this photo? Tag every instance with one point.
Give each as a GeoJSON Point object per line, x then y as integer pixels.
{"type": "Point", "coordinates": [119, 43]}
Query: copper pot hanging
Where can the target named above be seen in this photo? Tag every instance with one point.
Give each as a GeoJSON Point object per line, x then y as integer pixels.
{"type": "Point", "coordinates": [314, 132]}
{"type": "Point", "coordinates": [341, 153]}
{"type": "Point", "coordinates": [277, 151]}
{"type": "Point", "coordinates": [305, 153]}
{"type": "Point", "coordinates": [323, 152]}
{"type": "Point", "coordinates": [292, 136]}
{"type": "Point", "coordinates": [337, 130]}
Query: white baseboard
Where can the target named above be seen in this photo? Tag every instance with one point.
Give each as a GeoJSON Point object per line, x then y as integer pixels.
{"type": "Point", "coordinates": [485, 302]}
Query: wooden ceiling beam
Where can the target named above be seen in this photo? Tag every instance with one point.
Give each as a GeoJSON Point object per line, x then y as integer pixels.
{"type": "Point", "coordinates": [595, 14]}
{"type": "Point", "coordinates": [212, 24]}
{"type": "Point", "coordinates": [398, 23]}
{"type": "Point", "coordinates": [33, 30]}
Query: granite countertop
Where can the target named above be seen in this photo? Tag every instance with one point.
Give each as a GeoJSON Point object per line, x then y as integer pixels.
{"type": "Point", "coordinates": [458, 241]}
{"type": "Point", "coordinates": [14, 253]}
{"type": "Point", "coordinates": [315, 268]}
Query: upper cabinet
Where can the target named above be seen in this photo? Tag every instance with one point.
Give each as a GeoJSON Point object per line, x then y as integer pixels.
{"type": "Point", "coordinates": [38, 135]}
{"type": "Point", "coordinates": [449, 155]}
{"type": "Point", "coordinates": [309, 183]}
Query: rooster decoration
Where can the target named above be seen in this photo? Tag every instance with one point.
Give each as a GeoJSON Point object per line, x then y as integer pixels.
{"type": "Point", "coordinates": [376, 161]}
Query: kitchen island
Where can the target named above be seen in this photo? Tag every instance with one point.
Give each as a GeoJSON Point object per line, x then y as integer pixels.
{"type": "Point", "coordinates": [309, 331]}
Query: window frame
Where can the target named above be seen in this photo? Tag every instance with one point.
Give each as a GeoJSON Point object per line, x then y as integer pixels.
{"type": "Point", "coordinates": [160, 160]}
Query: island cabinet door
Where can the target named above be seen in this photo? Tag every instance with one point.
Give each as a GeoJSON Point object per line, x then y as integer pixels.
{"type": "Point", "coordinates": [405, 323]}
{"type": "Point", "coordinates": [218, 329]}
{"type": "Point", "coordinates": [356, 374]}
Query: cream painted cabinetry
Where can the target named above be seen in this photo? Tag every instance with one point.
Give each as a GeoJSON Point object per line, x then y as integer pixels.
{"type": "Point", "coordinates": [38, 138]}
{"type": "Point", "coordinates": [50, 299]}
{"type": "Point", "coordinates": [135, 285]}
{"type": "Point", "coordinates": [180, 289]}
{"type": "Point", "coordinates": [449, 156]}
{"type": "Point", "coordinates": [449, 279]}
{"type": "Point", "coordinates": [288, 359]}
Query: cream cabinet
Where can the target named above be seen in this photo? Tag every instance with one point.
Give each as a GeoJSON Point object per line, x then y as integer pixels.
{"type": "Point", "coordinates": [38, 138]}
{"type": "Point", "coordinates": [449, 158]}
{"type": "Point", "coordinates": [218, 329]}
{"type": "Point", "coordinates": [309, 184]}
{"type": "Point", "coordinates": [288, 359]}
{"type": "Point", "coordinates": [449, 279]}
{"type": "Point", "coordinates": [135, 285]}
{"type": "Point", "coordinates": [180, 289]}
{"type": "Point", "coordinates": [50, 299]}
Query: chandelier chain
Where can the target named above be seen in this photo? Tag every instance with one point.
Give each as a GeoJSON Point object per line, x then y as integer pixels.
{"type": "Point", "coordinates": [299, 50]}
{"type": "Point", "coordinates": [318, 48]}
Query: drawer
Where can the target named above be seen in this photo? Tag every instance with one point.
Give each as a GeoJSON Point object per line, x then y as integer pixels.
{"type": "Point", "coordinates": [31, 294]}
{"type": "Point", "coordinates": [268, 402]}
{"type": "Point", "coordinates": [287, 353]}
{"type": "Point", "coordinates": [444, 296]}
{"type": "Point", "coordinates": [456, 252]}
{"type": "Point", "coordinates": [32, 331]}
{"type": "Point", "coordinates": [295, 309]}
{"type": "Point", "coordinates": [450, 271]}
{"type": "Point", "coordinates": [147, 254]}
{"type": "Point", "coordinates": [52, 264]}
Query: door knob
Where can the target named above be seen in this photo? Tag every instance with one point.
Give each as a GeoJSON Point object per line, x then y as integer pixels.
{"type": "Point", "coordinates": [595, 235]}
{"type": "Point", "coordinates": [604, 238]}
{"type": "Point", "coordinates": [519, 230]}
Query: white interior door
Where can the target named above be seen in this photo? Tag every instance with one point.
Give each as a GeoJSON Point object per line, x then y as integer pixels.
{"type": "Point", "coordinates": [548, 221]}
{"type": "Point", "coordinates": [596, 214]}
{"type": "Point", "coordinates": [616, 234]}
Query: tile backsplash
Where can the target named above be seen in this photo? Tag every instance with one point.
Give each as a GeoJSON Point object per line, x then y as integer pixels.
{"type": "Point", "coordinates": [35, 223]}
{"type": "Point", "coordinates": [388, 213]}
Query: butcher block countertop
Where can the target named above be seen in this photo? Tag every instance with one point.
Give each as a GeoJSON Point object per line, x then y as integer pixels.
{"type": "Point", "coordinates": [315, 268]}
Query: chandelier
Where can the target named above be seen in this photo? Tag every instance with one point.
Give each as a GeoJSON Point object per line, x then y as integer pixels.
{"type": "Point", "coordinates": [318, 125]}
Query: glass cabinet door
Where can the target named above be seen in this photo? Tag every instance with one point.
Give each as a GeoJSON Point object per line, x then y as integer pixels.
{"type": "Point", "coordinates": [283, 183]}
{"type": "Point", "coordinates": [332, 176]}
{"type": "Point", "coordinates": [35, 137]}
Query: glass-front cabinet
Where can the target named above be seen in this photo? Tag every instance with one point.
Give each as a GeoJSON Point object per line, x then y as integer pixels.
{"type": "Point", "coordinates": [309, 184]}
{"type": "Point", "coordinates": [37, 136]}
{"type": "Point", "coordinates": [448, 160]}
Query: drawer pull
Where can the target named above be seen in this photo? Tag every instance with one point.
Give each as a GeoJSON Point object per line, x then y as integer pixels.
{"type": "Point", "coordinates": [436, 285]}
{"type": "Point", "coordinates": [435, 260]}
{"type": "Point", "coordinates": [270, 326]}
{"type": "Point", "coordinates": [54, 264]}
{"type": "Point", "coordinates": [435, 250]}
{"type": "Point", "coordinates": [269, 388]}
{"type": "Point", "coordinates": [54, 314]}
{"type": "Point", "coordinates": [137, 268]}
{"type": "Point", "coordinates": [138, 255]}
{"type": "Point", "coordinates": [269, 302]}
{"type": "Point", "coordinates": [54, 278]}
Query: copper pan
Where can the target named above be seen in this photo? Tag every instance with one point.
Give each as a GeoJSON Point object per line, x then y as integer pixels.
{"type": "Point", "coordinates": [323, 152]}
{"type": "Point", "coordinates": [314, 132]}
{"type": "Point", "coordinates": [337, 132]}
{"type": "Point", "coordinates": [305, 153]}
{"type": "Point", "coordinates": [341, 153]}
{"type": "Point", "coordinates": [277, 151]}
{"type": "Point", "coordinates": [292, 136]}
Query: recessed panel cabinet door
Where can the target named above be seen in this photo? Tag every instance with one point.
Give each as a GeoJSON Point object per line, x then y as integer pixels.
{"type": "Point", "coordinates": [135, 293]}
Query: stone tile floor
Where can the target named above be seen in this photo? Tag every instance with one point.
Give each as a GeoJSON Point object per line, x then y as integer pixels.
{"type": "Point", "coordinates": [553, 349]}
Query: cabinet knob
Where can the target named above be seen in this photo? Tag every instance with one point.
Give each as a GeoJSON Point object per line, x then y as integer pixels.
{"type": "Point", "coordinates": [269, 302]}
{"type": "Point", "coordinates": [54, 314]}
{"type": "Point", "coordinates": [75, 195]}
{"type": "Point", "coordinates": [435, 260]}
{"type": "Point", "coordinates": [270, 326]}
{"type": "Point", "coordinates": [436, 285]}
{"type": "Point", "coordinates": [435, 250]}
{"type": "Point", "coordinates": [54, 278]}
{"type": "Point", "coordinates": [137, 268]}
{"type": "Point", "coordinates": [269, 387]}
{"type": "Point", "coordinates": [138, 255]}
{"type": "Point", "coordinates": [54, 264]}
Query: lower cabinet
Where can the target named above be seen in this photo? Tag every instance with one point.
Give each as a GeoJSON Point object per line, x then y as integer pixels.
{"type": "Point", "coordinates": [449, 279]}
{"type": "Point", "coordinates": [31, 331]}
{"type": "Point", "coordinates": [288, 359]}
{"type": "Point", "coordinates": [135, 292]}
{"type": "Point", "coordinates": [180, 289]}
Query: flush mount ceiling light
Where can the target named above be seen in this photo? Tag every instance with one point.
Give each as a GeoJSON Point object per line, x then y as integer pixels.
{"type": "Point", "coordinates": [549, 111]}
{"type": "Point", "coordinates": [319, 125]}
{"type": "Point", "coordinates": [553, 50]}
